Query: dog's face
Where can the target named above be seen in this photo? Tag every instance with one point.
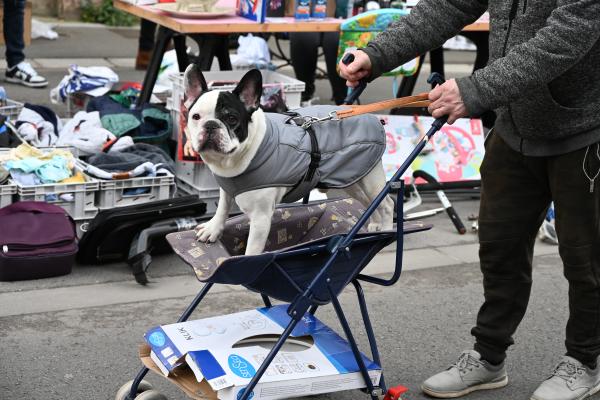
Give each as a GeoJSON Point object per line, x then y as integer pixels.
{"type": "Point", "coordinates": [218, 122]}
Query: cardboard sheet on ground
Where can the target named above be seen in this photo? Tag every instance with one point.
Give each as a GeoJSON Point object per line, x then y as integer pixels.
{"type": "Point", "coordinates": [224, 353]}
{"type": "Point", "coordinates": [455, 153]}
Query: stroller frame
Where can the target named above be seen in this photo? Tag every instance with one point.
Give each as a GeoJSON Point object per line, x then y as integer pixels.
{"type": "Point", "coordinates": [336, 246]}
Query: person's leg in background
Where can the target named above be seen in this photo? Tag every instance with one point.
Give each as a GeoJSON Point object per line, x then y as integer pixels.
{"type": "Point", "coordinates": [18, 71]}
{"type": "Point", "coordinates": [330, 43]}
{"type": "Point", "coordinates": [145, 44]}
{"type": "Point", "coordinates": [304, 48]}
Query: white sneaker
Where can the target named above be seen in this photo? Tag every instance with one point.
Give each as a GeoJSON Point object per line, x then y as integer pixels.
{"type": "Point", "coordinates": [468, 374]}
{"type": "Point", "coordinates": [570, 380]}
{"type": "Point", "coordinates": [24, 74]}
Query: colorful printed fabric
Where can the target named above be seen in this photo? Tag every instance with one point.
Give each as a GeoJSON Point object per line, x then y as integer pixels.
{"type": "Point", "coordinates": [358, 31]}
{"type": "Point", "coordinates": [290, 226]}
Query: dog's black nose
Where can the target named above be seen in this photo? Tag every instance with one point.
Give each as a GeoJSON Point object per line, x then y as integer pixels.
{"type": "Point", "coordinates": [211, 125]}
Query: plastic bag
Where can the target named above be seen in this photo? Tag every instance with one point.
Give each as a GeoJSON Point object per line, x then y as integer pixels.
{"type": "Point", "coordinates": [253, 51]}
{"type": "Point", "coordinates": [41, 29]}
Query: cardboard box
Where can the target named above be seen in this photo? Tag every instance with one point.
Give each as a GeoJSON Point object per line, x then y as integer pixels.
{"type": "Point", "coordinates": [290, 8]}
{"type": "Point", "coordinates": [223, 353]}
{"type": "Point", "coordinates": [27, 30]}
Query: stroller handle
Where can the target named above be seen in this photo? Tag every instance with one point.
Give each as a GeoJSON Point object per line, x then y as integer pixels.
{"type": "Point", "coordinates": [357, 91]}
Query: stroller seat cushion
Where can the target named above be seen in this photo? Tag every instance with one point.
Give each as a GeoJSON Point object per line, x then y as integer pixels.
{"type": "Point", "coordinates": [291, 226]}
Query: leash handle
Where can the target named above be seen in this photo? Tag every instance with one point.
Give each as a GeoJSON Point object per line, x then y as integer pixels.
{"type": "Point", "coordinates": [437, 79]}
{"type": "Point", "coordinates": [357, 91]}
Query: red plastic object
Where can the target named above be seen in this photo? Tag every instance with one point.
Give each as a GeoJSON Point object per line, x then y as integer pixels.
{"type": "Point", "coordinates": [395, 393]}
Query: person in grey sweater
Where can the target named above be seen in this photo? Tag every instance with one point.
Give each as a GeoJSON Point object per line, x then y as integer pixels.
{"type": "Point", "coordinates": [542, 81]}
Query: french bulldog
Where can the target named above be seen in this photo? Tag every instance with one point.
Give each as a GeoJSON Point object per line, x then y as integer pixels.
{"type": "Point", "coordinates": [226, 129]}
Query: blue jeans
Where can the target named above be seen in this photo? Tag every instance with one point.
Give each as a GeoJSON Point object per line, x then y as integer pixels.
{"type": "Point", "coordinates": [14, 14]}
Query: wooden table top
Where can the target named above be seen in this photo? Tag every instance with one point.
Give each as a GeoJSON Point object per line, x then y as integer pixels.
{"type": "Point", "coordinates": [235, 24]}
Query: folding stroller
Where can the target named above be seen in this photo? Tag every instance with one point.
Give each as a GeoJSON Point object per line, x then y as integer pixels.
{"type": "Point", "coordinates": [313, 253]}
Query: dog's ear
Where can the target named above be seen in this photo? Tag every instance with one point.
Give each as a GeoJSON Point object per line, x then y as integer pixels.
{"type": "Point", "coordinates": [249, 90]}
{"type": "Point", "coordinates": [193, 83]}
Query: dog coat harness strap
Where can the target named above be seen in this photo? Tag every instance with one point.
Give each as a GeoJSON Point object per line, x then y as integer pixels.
{"type": "Point", "coordinates": [331, 154]}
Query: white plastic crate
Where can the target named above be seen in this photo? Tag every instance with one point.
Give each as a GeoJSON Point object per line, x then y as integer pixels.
{"type": "Point", "coordinates": [7, 192]}
{"type": "Point", "coordinates": [196, 174]}
{"type": "Point", "coordinates": [292, 88]}
{"type": "Point", "coordinates": [82, 206]}
{"type": "Point", "coordinates": [210, 197]}
{"type": "Point", "coordinates": [11, 109]}
{"type": "Point", "coordinates": [114, 193]}
{"type": "Point", "coordinates": [83, 193]}
{"type": "Point", "coordinates": [81, 226]}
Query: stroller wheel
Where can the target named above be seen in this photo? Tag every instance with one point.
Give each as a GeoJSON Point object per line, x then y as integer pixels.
{"type": "Point", "coordinates": [124, 390]}
{"type": "Point", "coordinates": [151, 395]}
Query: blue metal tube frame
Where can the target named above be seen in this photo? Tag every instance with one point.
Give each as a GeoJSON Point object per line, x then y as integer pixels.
{"type": "Point", "coordinates": [399, 244]}
{"type": "Point", "coordinates": [357, 355]}
{"type": "Point", "coordinates": [299, 306]}
{"type": "Point", "coordinates": [270, 357]}
{"type": "Point", "coordinates": [369, 328]}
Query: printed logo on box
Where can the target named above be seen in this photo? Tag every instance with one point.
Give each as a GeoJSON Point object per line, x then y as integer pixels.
{"type": "Point", "coordinates": [157, 339]}
{"type": "Point", "coordinates": [240, 366]}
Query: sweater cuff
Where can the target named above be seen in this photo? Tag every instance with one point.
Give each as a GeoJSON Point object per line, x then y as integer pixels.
{"type": "Point", "coordinates": [471, 96]}
{"type": "Point", "coordinates": [376, 61]}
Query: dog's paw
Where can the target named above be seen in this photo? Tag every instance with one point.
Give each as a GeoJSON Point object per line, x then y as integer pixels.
{"type": "Point", "coordinates": [209, 231]}
{"type": "Point", "coordinates": [374, 227]}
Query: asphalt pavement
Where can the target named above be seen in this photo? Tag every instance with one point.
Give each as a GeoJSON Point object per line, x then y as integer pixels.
{"type": "Point", "coordinates": [76, 337]}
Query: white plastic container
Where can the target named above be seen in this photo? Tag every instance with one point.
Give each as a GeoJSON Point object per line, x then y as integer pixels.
{"type": "Point", "coordinates": [81, 207]}
{"type": "Point", "coordinates": [11, 109]}
{"type": "Point", "coordinates": [292, 89]}
{"type": "Point", "coordinates": [197, 175]}
{"type": "Point", "coordinates": [7, 193]}
{"type": "Point", "coordinates": [115, 193]}
{"type": "Point", "coordinates": [210, 197]}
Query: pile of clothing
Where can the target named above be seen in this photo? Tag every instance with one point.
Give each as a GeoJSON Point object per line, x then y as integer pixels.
{"type": "Point", "coordinates": [28, 166]}
{"type": "Point", "coordinates": [107, 118]}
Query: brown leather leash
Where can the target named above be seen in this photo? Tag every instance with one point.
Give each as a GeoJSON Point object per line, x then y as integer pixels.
{"type": "Point", "coordinates": [419, 100]}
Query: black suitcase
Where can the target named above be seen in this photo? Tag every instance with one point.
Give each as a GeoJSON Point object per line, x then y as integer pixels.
{"type": "Point", "coordinates": [109, 235]}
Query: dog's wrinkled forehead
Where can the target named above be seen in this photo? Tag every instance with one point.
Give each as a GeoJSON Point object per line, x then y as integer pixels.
{"type": "Point", "coordinates": [205, 104]}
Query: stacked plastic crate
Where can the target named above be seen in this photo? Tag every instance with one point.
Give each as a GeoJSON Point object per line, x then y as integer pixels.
{"type": "Point", "coordinates": [195, 177]}
{"type": "Point", "coordinates": [10, 109]}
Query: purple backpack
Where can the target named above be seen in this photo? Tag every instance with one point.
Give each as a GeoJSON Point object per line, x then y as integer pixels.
{"type": "Point", "coordinates": [37, 240]}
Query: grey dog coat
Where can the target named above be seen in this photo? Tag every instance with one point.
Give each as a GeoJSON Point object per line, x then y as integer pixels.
{"type": "Point", "coordinates": [350, 149]}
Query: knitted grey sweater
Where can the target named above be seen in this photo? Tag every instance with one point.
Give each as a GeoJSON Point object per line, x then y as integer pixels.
{"type": "Point", "coordinates": [542, 76]}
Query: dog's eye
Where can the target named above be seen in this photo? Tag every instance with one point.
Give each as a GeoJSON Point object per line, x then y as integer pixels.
{"type": "Point", "coordinates": [232, 120]}
{"type": "Point", "coordinates": [196, 117]}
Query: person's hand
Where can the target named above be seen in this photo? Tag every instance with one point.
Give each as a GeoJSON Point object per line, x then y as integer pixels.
{"type": "Point", "coordinates": [358, 69]}
{"type": "Point", "coordinates": [446, 100]}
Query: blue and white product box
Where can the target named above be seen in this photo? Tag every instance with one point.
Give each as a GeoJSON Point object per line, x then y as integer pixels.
{"type": "Point", "coordinates": [319, 10]}
{"type": "Point", "coordinates": [226, 351]}
{"type": "Point", "coordinates": [302, 9]}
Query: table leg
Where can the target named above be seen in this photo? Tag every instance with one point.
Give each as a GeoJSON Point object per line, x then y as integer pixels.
{"type": "Point", "coordinates": [162, 41]}
{"type": "Point", "coordinates": [436, 60]}
{"type": "Point", "coordinates": [181, 50]}
{"type": "Point", "coordinates": [480, 38]}
{"type": "Point", "coordinates": [222, 52]}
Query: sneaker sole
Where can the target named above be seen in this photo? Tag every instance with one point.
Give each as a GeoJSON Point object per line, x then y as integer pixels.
{"type": "Point", "coordinates": [585, 396]}
{"type": "Point", "coordinates": [453, 395]}
{"type": "Point", "coordinates": [28, 84]}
